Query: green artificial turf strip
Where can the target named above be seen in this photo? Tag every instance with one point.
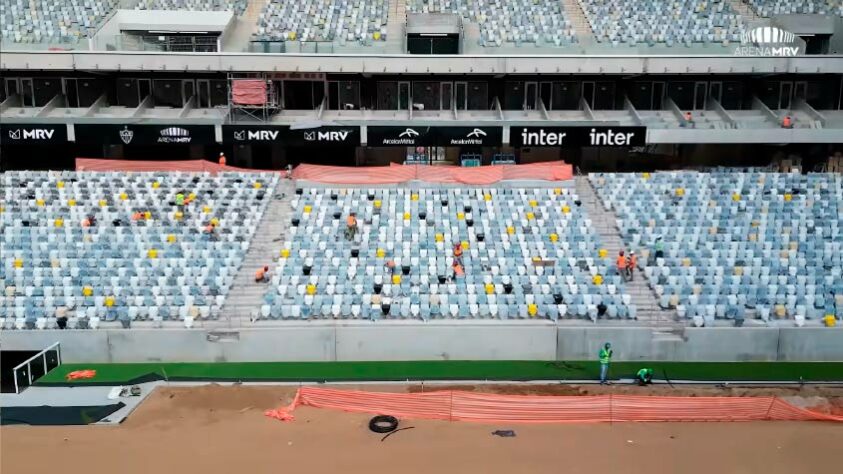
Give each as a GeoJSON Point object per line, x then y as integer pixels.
{"type": "Point", "coordinates": [450, 370]}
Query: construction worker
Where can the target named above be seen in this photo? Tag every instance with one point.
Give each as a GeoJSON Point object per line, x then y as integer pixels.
{"type": "Point", "coordinates": [289, 172]}
{"type": "Point", "coordinates": [390, 266]}
{"type": "Point", "coordinates": [787, 122]}
{"type": "Point", "coordinates": [689, 120]}
{"type": "Point", "coordinates": [459, 272]}
{"type": "Point", "coordinates": [659, 247]}
{"type": "Point", "coordinates": [209, 229]}
{"type": "Point", "coordinates": [622, 265]}
{"type": "Point", "coordinates": [180, 198]}
{"type": "Point", "coordinates": [644, 376]}
{"type": "Point", "coordinates": [351, 226]}
{"type": "Point", "coordinates": [262, 275]}
{"type": "Point", "coordinates": [605, 356]}
{"type": "Point", "coordinates": [222, 159]}
{"type": "Point", "coordinates": [137, 216]}
{"type": "Point", "coordinates": [632, 264]}
{"type": "Point", "coordinates": [458, 252]}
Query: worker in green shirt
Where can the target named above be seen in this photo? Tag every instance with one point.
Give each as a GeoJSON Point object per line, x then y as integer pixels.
{"type": "Point", "coordinates": [180, 199]}
{"type": "Point", "coordinates": [605, 356]}
{"type": "Point", "coordinates": [644, 376]}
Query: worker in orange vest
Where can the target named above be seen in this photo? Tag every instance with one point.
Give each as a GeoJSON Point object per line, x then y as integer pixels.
{"type": "Point", "coordinates": [632, 264]}
{"type": "Point", "coordinates": [689, 120]}
{"type": "Point", "coordinates": [262, 275]}
{"type": "Point", "coordinates": [222, 159]}
{"type": "Point", "coordinates": [351, 226]}
{"type": "Point", "coordinates": [622, 265]}
{"type": "Point", "coordinates": [787, 122]}
{"type": "Point", "coordinates": [458, 270]}
{"type": "Point", "coordinates": [458, 253]}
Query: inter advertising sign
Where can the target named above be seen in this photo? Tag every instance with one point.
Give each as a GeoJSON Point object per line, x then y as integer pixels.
{"type": "Point", "coordinates": [434, 136]}
{"type": "Point", "coordinates": [145, 134]}
{"type": "Point", "coordinates": [578, 136]}
{"type": "Point", "coordinates": [32, 134]}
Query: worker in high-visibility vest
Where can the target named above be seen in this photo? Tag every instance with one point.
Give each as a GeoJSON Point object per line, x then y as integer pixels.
{"type": "Point", "coordinates": [644, 376]}
{"type": "Point", "coordinates": [605, 356]}
{"type": "Point", "coordinates": [351, 226]}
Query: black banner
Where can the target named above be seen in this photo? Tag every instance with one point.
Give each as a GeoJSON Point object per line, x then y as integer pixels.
{"type": "Point", "coordinates": [577, 136]}
{"type": "Point", "coordinates": [33, 134]}
{"type": "Point", "coordinates": [253, 134]}
{"type": "Point", "coordinates": [434, 136]}
{"type": "Point", "coordinates": [145, 134]}
{"type": "Point", "coordinates": [324, 136]}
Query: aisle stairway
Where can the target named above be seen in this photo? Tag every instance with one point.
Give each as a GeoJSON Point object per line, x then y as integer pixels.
{"type": "Point", "coordinates": [246, 296]}
{"type": "Point", "coordinates": [604, 222]}
{"type": "Point", "coordinates": [578, 20]}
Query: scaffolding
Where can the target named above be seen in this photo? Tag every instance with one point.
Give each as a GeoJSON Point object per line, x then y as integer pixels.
{"type": "Point", "coordinates": [249, 113]}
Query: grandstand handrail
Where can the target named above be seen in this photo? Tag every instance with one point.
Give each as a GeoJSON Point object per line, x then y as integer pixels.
{"type": "Point", "coordinates": [632, 110]}
{"type": "Point", "coordinates": [723, 113]}
{"type": "Point", "coordinates": [758, 104]}
{"type": "Point", "coordinates": [804, 106]}
{"type": "Point", "coordinates": [586, 108]}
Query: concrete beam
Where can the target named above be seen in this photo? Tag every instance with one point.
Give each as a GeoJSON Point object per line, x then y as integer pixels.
{"type": "Point", "coordinates": [804, 106]}
{"type": "Point", "coordinates": [102, 101]}
{"type": "Point", "coordinates": [723, 113]}
{"type": "Point", "coordinates": [142, 107]}
{"type": "Point", "coordinates": [56, 101]}
{"type": "Point", "coordinates": [636, 117]}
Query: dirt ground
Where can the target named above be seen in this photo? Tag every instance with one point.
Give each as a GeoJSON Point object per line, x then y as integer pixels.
{"type": "Point", "coordinates": [216, 429]}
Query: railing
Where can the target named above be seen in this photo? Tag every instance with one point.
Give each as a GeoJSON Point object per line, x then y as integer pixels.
{"type": "Point", "coordinates": [47, 359]}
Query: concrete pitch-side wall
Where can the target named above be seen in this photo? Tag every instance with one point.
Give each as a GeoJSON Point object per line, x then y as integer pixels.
{"type": "Point", "coordinates": [433, 342]}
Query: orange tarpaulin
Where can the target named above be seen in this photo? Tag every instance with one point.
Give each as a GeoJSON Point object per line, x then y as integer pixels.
{"type": "Point", "coordinates": [105, 164]}
{"type": "Point", "coordinates": [248, 91]}
{"type": "Point", "coordinates": [492, 408]}
{"type": "Point", "coordinates": [81, 374]}
{"type": "Point", "coordinates": [549, 171]}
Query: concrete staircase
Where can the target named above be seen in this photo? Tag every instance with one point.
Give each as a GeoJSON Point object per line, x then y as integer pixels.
{"type": "Point", "coordinates": [576, 15]}
{"type": "Point", "coordinates": [246, 297]}
{"type": "Point", "coordinates": [605, 223]}
{"type": "Point", "coordinates": [744, 10]}
{"type": "Point", "coordinates": [244, 26]}
{"type": "Point", "coordinates": [395, 22]}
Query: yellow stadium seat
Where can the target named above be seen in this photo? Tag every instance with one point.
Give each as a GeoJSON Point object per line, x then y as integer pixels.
{"type": "Point", "coordinates": [40, 202]}
{"type": "Point", "coordinates": [152, 253]}
{"type": "Point", "coordinates": [311, 289]}
{"type": "Point", "coordinates": [602, 253]}
{"type": "Point", "coordinates": [439, 237]}
{"type": "Point", "coordinates": [71, 202]}
{"type": "Point", "coordinates": [460, 216]}
{"type": "Point", "coordinates": [680, 192]}
{"type": "Point", "coordinates": [215, 222]}
{"type": "Point", "coordinates": [414, 197]}
{"type": "Point", "coordinates": [645, 175]}
{"type": "Point", "coordinates": [381, 253]}
{"type": "Point", "coordinates": [109, 301]}
{"type": "Point", "coordinates": [87, 291]}
{"type": "Point", "coordinates": [307, 208]}
{"type": "Point", "coordinates": [124, 196]}
{"type": "Point", "coordinates": [285, 253]}
{"type": "Point", "coordinates": [829, 320]}
{"type": "Point", "coordinates": [736, 197]}
{"type": "Point", "coordinates": [60, 184]}
{"type": "Point", "coordinates": [566, 209]}
{"type": "Point", "coordinates": [490, 288]}
{"type": "Point", "coordinates": [554, 237]}
{"type": "Point", "coordinates": [103, 203]}
{"type": "Point", "coordinates": [532, 309]}
{"type": "Point", "coordinates": [377, 203]}
{"type": "Point", "coordinates": [396, 279]}
{"type": "Point", "coordinates": [406, 216]}
{"type": "Point", "coordinates": [597, 280]}
{"type": "Point", "coordinates": [18, 263]}
{"type": "Point", "coordinates": [147, 215]}
{"type": "Point", "coordinates": [171, 238]}
{"type": "Point", "coordinates": [533, 203]}
{"type": "Point", "coordinates": [59, 222]}
{"type": "Point", "coordinates": [376, 35]}
{"type": "Point", "coordinates": [487, 197]}
{"type": "Point", "coordinates": [156, 185]}
{"type": "Point", "coordinates": [788, 197]}
{"type": "Point", "coordinates": [530, 216]}
{"type": "Point", "coordinates": [557, 191]}
{"type": "Point", "coordinates": [206, 209]}
{"type": "Point", "coordinates": [258, 185]}
{"type": "Point", "coordinates": [510, 230]}
{"type": "Point", "coordinates": [464, 244]}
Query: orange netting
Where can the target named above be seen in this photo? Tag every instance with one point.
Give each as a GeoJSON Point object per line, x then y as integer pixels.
{"type": "Point", "coordinates": [248, 91]}
{"type": "Point", "coordinates": [491, 408]}
{"type": "Point", "coordinates": [100, 164]}
{"type": "Point", "coordinates": [549, 171]}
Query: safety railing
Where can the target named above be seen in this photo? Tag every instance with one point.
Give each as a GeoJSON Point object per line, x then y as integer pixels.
{"type": "Point", "coordinates": [36, 366]}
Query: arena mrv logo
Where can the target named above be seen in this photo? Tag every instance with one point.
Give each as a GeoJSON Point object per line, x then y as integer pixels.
{"type": "Point", "coordinates": [174, 135]}
{"type": "Point", "coordinates": [339, 136]}
{"type": "Point", "coordinates": [768, 41]}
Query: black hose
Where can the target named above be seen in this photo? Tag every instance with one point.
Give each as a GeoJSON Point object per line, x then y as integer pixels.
{"type": "Point", "coordinates": [383, 424]}
{"type": "Point", "coordinates": [396, 431]}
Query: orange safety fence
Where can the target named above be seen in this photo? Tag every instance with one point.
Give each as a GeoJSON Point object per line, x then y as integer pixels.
{"type": "Point", "coordinates": [395, 173]}
{"type": "Point", "coordinates": [491, 408]}
{"type": "Point", "coordinates": [193, 166]}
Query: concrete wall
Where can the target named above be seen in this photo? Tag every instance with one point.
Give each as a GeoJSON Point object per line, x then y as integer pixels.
{"type": "Point", "coordinates": [433, 341]}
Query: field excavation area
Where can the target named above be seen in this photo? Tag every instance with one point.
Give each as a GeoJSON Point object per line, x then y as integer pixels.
{"type": "Point", "coordinates": [223, 429]}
